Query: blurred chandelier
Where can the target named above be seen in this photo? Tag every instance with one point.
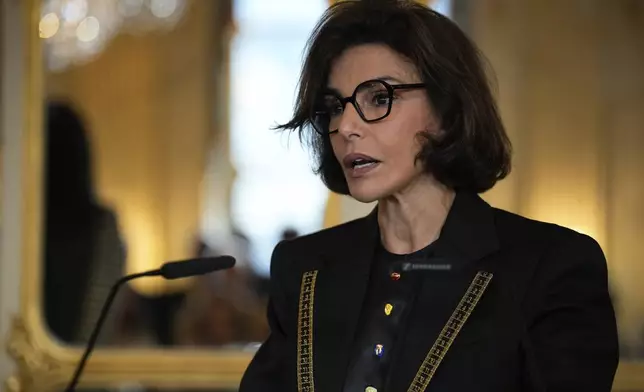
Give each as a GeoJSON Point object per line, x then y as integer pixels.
{"type": "Point", "coordinates": [75, 31]}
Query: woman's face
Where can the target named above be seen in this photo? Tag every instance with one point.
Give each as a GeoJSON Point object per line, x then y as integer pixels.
{"type": "Point", "coordinates": [389, 146]}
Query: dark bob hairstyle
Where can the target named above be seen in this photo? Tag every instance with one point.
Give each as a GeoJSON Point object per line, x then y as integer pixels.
{"type": "Point", "coordinates": [473, 152]}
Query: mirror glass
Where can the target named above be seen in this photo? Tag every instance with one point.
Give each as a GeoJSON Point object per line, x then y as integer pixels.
{"type": "Point", "coordinates": [160, 146]}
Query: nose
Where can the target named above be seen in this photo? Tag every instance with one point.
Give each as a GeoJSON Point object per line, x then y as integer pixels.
{"type": "Point", "coordinates": [350, 124]}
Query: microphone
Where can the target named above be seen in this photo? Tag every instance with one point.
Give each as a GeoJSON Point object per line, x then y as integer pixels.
{"type": "Point", "coordinates": [171, 270]}
{"type": "Point", "coordinates": [192, 267]}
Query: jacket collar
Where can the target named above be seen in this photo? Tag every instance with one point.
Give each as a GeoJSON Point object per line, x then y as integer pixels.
{"type": "Point", "coordinates": [467, 235]}
{"type": "Point", "coordinates": [469, 232]}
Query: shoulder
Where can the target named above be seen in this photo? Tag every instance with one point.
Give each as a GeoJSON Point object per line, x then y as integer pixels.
{"type": "Point", "coordinates": [293, 257]}
{"type": "Point", "coordinates": [554, 268]}
{"type": "Point", "coordinates": [105, 218]}
{"type": "Point", "coordinates": [563, 258]}
{"type": "Point", "coordinates": [309, 243]}
{"type": "Point", "coordinates": [305, 250]}
{"type": "Point", "coordinates": [546, 238]}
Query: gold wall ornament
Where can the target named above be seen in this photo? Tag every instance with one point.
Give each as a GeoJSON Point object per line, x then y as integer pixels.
{"type": "Point", "coordinates": [43, 365]}
{"type": "Point", "coordinates": [37, 368]}
{"type": "Point", "coordinates": [12, 384]}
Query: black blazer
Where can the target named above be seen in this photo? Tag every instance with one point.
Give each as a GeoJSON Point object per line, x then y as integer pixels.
{"type": "Point", "coordinates": [545, 321]}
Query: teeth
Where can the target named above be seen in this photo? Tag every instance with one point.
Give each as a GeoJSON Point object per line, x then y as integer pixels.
{"type": "Point", "coordinates": [363, 164]}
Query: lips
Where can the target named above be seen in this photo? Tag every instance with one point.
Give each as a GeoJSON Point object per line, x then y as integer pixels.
{"type": "Point", "coordinates": [354, 160]}
{"type": "Point", "coordinates": [358, 165]}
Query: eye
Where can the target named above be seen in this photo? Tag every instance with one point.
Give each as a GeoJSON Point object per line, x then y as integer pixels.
{"type": "Point", "coordinates": [374, 97]}
{"type": "Point", "coordinates": [380, 98]}
{"type": "Point", "coordinates": [332, 105]}
{"type": "Point", "coordinates": [335, 110]}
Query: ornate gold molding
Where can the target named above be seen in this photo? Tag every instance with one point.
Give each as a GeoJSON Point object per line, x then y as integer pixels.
{"type": "Point", "coordinates": [43, 365]}
{"type": "Point", "coordinates": [36, 368]}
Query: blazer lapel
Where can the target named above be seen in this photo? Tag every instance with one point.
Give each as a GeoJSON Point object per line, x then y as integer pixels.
{"type": "Point", "coordinates": [467, 237]}
{"type": "Point", "coordinates": [341, 288]}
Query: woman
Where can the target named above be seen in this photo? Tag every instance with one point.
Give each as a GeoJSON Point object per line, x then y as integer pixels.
{"type": "Point", "coordinates": [84, 254]}
{"type": "Point", "coordinates": [435, 290]}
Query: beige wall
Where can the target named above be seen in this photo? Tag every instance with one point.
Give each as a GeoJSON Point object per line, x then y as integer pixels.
{"type": "Point", "coordinates": [623, 128]}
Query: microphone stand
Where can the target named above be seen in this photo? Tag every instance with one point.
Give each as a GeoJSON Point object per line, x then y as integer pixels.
{"type": "Point", "coordinates": [172, 270]}
{"type": "Point", "coordinates": [101, 319]}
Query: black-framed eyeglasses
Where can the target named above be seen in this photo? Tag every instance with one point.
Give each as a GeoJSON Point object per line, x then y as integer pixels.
{"type": "Point", "coordinates": [372, 100]}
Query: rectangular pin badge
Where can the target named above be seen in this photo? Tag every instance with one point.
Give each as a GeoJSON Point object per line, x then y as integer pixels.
{"type": "Point", "coordinates": [407, 267]}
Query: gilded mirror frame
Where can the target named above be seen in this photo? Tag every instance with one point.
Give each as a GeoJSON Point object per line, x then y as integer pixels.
{"type": "Point", "coordinates": [44, 364]}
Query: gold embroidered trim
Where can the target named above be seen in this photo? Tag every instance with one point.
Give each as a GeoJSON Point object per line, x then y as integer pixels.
{"type": "Point", "coordinates": [450, 330]}
{"type": "Point", "coordinates": [305, 333]}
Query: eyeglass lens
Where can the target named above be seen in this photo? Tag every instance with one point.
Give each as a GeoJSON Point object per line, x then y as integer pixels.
{"type": "Point", "coordinates": [372, 99]}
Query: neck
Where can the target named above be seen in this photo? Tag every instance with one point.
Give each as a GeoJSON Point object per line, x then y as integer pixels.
{"type": "Point", "coordinates": [412, 219]}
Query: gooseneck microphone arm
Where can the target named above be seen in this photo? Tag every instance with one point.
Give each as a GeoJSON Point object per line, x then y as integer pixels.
{"type": "Point", "coordinates": [101, 320]}
{"type": "Point", "coordinates": [173, 270]}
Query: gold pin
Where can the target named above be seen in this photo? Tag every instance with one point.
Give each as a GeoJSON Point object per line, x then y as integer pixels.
{"type": "Point", "coordinates": [388, 309]}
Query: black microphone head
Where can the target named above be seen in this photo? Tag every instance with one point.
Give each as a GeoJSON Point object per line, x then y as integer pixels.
{"type": "Point", "coordinates": [193, 267]}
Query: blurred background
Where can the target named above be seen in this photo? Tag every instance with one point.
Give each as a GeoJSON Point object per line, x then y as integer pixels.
{"type": "Point", "coordinates": [159, 146]}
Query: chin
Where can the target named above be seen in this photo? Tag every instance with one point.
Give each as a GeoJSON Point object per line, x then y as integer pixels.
{"type": "Point", "coordinates": [366, 194]}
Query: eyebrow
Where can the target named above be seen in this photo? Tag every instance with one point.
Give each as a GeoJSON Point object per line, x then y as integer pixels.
{"type": "Point", "coordinates": [386, 78]}
{"type": "Point", "coordinates": [390, 78]}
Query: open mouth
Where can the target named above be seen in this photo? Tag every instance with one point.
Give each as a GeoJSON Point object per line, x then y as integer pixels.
{"type": "Point", "coordinates": [358, 165]}
{"type": "Point", "coordinates": [361, 163]}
